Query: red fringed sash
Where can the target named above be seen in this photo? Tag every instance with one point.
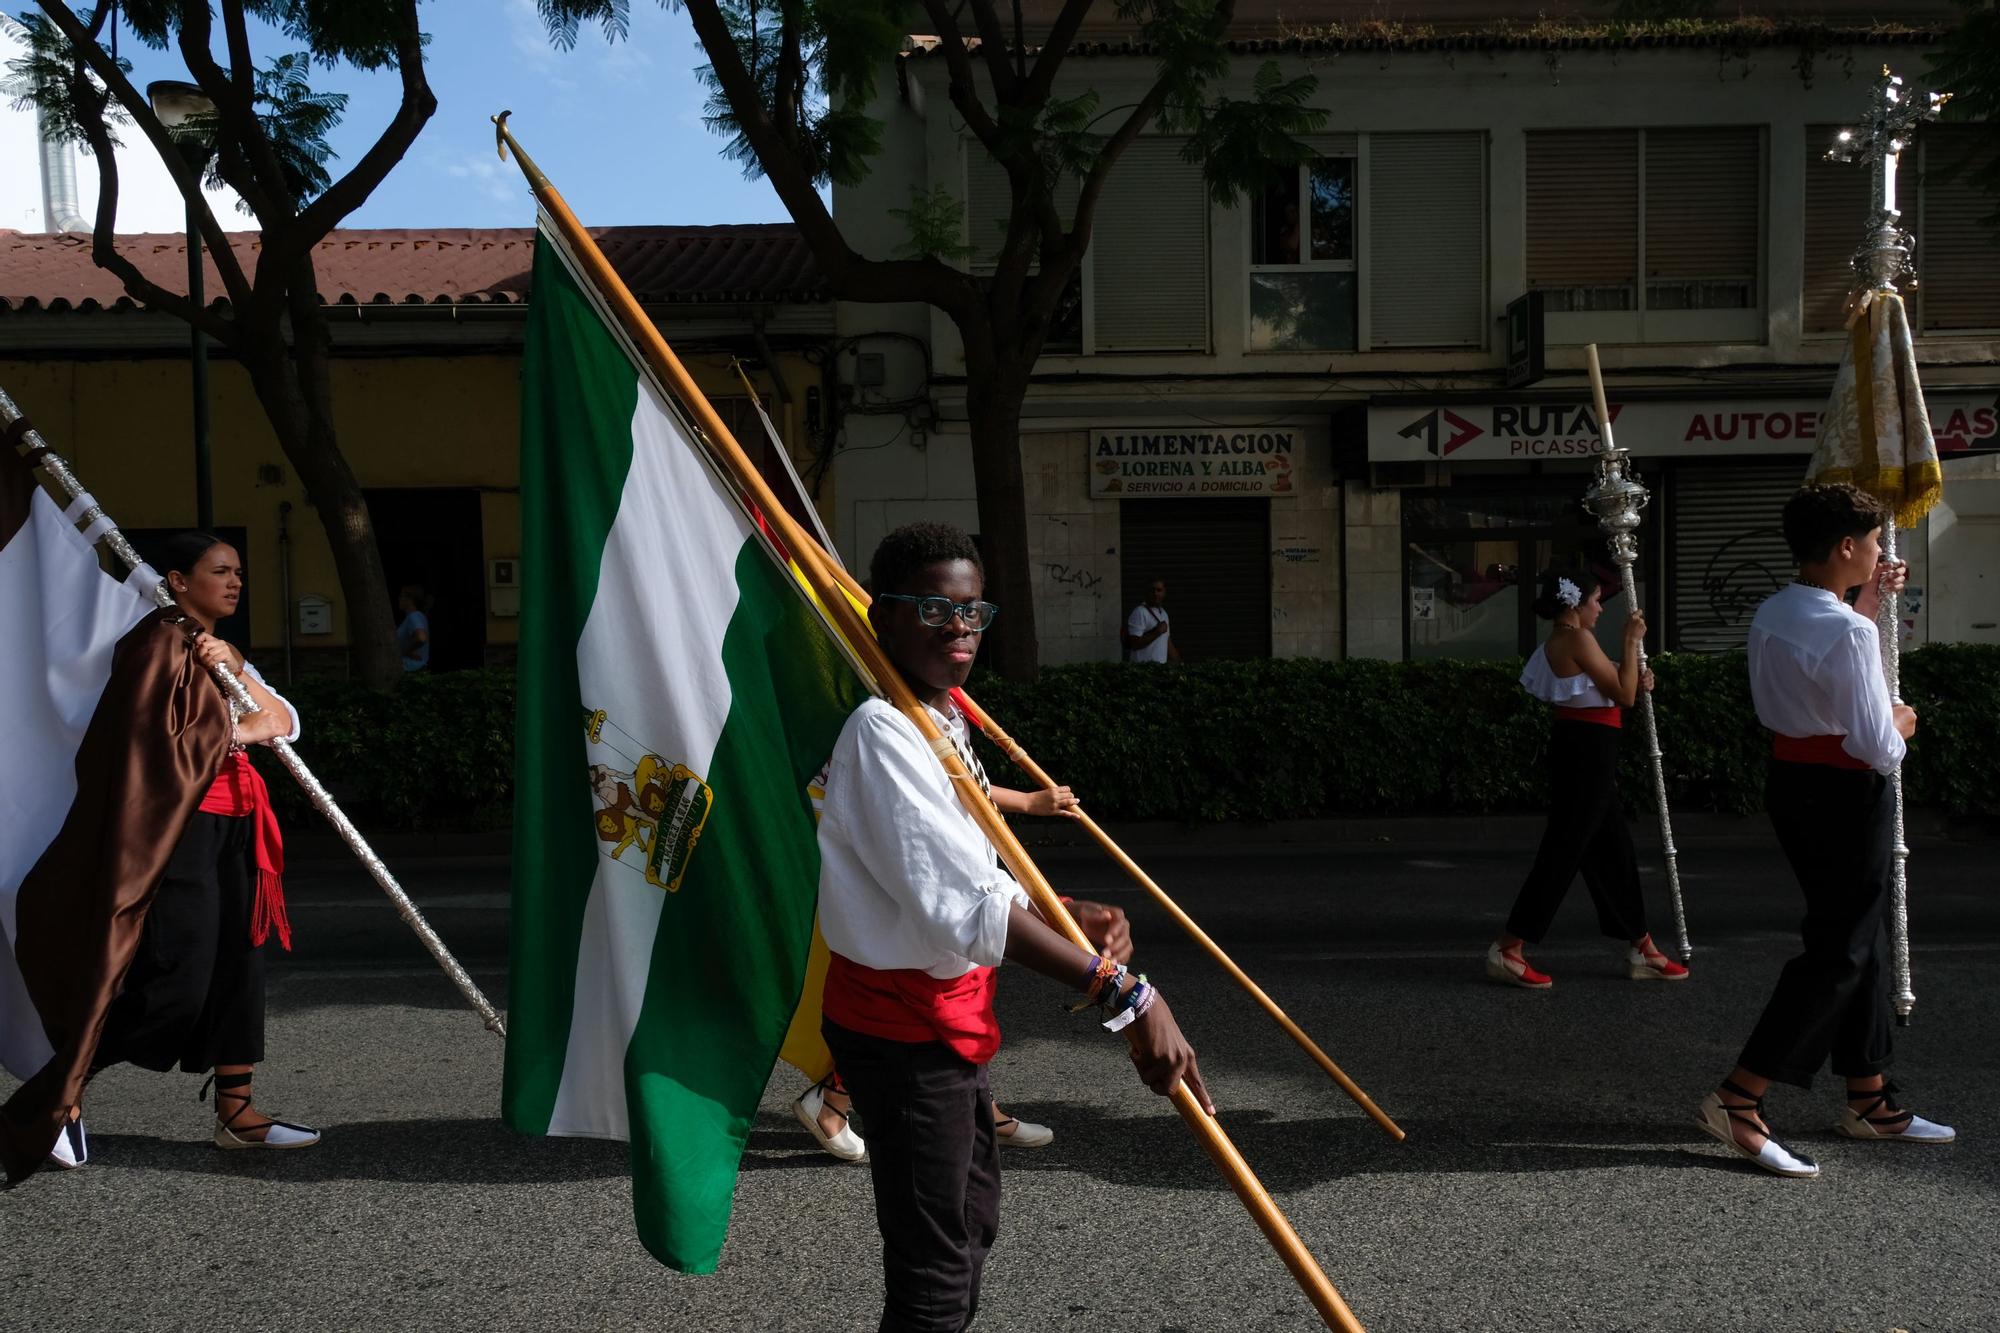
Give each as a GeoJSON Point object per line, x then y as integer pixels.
{"type": "Point", "coordinates": [239, 790]}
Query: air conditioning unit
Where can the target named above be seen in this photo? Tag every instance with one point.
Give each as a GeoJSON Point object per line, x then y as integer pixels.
{"type": "Point", "coordinates": [1404, 474]}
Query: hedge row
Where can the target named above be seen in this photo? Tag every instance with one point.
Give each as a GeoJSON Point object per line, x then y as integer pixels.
{"type": "Point", "coordinates": [1219, 741]}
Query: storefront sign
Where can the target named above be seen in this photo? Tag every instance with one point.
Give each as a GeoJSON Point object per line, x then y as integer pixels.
{"type": "Point", "coordinates": [1149, 462]}
{"type": "Point", "coordinates": [1961, 423]}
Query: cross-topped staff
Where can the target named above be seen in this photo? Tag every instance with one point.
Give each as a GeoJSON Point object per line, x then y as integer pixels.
{"type": "Point", "coordinates": [1614, 500]}
{"type": "Point", "coordinates": [1881, 261]}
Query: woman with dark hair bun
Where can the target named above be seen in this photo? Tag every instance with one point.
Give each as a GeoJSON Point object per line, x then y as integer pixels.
{"type": "Point", "coordinates": [1586, 830]}
{"type": "Point", "coordinates": [194, 992]}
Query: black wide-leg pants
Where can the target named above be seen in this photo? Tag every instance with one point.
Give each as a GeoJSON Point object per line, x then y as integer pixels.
{"type": "Point", "coordinates": [928, 1119]}
{"type": "Point", "coordinates": [194, 995]}
{"type": "Point", "coordinates": [1586, 832]}
{"type": "Point", "coordinates": [1837, 828]}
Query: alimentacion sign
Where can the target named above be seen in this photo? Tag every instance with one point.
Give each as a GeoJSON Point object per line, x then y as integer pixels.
{"type": "Point", "coordinates": [1136, 463]}
{"type": "Point", "coordinates": [1962, 423]}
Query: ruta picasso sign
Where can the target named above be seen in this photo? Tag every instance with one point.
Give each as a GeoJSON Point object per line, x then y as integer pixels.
{"type": "Point", "coordinates": [1961, 422]}
{"type": "Point", "coordinates": [1149, 463]}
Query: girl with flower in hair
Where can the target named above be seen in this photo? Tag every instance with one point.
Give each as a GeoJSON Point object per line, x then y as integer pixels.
{"type": "Point", "coordinates": [1586, 830]}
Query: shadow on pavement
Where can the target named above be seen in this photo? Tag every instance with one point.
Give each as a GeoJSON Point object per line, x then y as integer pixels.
{"type": "Point", "coordinates": [1160, 1152]}
{"type": "Point", "coordinates": [423, 1152]}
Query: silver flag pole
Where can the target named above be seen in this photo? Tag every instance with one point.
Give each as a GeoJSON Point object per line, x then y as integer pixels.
{"type": "Point", "coordinates": [15, 425]}
{"type": "Point", "coordinates": [1615, 499]}
{"type": "Point", "coordinates": [1882, 261]}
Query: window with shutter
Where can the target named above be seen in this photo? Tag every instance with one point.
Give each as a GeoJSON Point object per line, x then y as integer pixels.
{"type": "Point", "coordinates": [1704, 223]}
{"type": "Point", "coordinates": [1149, 247]}
{"type": "Point", "coordinates": [1958, 249]}
{"type": "Point", "coordinates": [1427, 240]}
{"type": "Point", "coordinates": [1837, 208]}
{"type": "Point", "coordinates": [1583, 218]}
{"type": "Point", "coordinates": [1303, 277]}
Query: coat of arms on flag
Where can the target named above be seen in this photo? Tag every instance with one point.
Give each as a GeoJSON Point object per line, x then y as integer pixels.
{"type": "Point", "coordinates": [658, 808]}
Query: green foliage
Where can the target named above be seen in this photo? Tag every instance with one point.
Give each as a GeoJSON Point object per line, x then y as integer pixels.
{"type": "Point", "coordinates": [934, 223]}
{"type": "Point", "coordinates": [437, 754]}
{"type": "Point", "coordinates": [1968, 67]}
{"type": "Point", "coordinates": [1243, 146]}
{"type": "Point", "coordinates": [1251, 741]}
{"type": "Point", "coordinates": [44, 79]}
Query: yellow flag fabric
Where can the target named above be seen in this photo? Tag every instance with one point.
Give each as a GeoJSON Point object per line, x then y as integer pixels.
{"type": "Point", "coordinates": [1876, 432]}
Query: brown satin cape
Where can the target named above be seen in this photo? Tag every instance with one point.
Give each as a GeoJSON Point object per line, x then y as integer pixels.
{"type": "Point", "coordinates": [154, 745]}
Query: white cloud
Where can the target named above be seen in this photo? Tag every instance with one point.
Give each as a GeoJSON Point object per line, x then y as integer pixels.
{"type": "Point", "coordinates": [497, 182]}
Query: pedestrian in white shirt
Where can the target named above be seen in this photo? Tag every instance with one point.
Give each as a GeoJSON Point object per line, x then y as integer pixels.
{"type": "Point", "coordinates": [1816, 678]}
{"type": "Point", "coordinates": [918, 913]}
{"type": "Point", "coordinates": [1148, 638]}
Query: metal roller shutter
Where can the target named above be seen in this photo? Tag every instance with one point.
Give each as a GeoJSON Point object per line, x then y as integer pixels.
{"type": "Point", "coordinates": [1215, 556]}
{"type": "Point", "coordinates": [1728, 550]}
{"type": "Point", "coordinates": [1583, 208]}
{"type": "Point", "coordinates": [1958, 261]}
{"type": "Point", "coordinates": [1149, 243]}
{"type": "Point", "coordinates": [1427, 240]}
{"type": "Point", "coordinates": [1704, 215]}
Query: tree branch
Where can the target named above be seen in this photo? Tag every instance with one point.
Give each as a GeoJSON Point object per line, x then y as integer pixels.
{"type": "Point", "coordinates": [87, 50]}
{"type": "Point", "coordinates": [993, 47]}
{"type": "Point", "coordinates": [352, 190]}
{"type": "Point", "coordinates": [851, 276]}
{"type": "Point", "coordinates": [1107, 157]}
{"type": "Point", "coordinates": [104, 240]}
{"type": "Point", "coordinates": [1042, 77]}
{"type": "Point", "coordinates": [236, 112]}
{"type": "Point", "coordinates": [964, 81]}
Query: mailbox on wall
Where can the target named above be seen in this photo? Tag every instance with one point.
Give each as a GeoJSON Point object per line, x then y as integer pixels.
{"type": "Point", "coordinates": [315, 615]}
{"type": "Point", "coordinates": [503, 587]}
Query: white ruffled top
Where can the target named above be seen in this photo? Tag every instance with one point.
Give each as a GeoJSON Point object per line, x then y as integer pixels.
{"type": "Point", "coordinates": [1540, 680]}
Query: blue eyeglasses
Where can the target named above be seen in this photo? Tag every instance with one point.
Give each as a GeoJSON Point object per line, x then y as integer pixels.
{"type": "Point", "coordinates": [937, 612]}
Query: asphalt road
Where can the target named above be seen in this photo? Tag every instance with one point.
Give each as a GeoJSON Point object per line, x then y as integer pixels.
{"type": "Point", "coordinates": [1552, 1178]}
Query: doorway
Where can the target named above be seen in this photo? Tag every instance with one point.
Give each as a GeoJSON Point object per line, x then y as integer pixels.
{"type": "Point", "coordinates": [432, 536]}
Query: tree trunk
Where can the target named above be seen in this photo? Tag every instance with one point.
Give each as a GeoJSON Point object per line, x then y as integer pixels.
{"type": "Point", "coordinates": [297, 397]}
{"type": "Point", "coordinates": [993, 404]}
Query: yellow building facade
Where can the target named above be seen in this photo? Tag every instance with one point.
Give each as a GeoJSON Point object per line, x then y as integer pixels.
{"type": "Point", "coordinates": [427, 398]}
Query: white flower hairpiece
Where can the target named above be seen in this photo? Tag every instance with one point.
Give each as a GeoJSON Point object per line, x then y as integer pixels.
{"type": "Point", "coordinates": [1568, 593]}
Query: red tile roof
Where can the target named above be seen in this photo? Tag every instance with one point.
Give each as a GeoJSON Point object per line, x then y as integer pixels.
{"type": "Point", "coordinates": [736, 264]}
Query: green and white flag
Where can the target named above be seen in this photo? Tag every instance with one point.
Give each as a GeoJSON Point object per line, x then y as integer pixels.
{"type": "Point", "coordinates": [677, 694]}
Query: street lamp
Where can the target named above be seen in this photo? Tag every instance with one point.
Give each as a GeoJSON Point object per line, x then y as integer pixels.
{"type": "Point", "coordinates": [176, 103]}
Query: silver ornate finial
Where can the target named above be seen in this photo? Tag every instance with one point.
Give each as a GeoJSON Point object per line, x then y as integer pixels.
{"type": "Point", "coordinates": [1883, 258]}
{"type": "Point", "coordinates": [1614, 500]}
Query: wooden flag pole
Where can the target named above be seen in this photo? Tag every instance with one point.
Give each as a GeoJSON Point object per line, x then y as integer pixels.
{"type": "Point", "coordinates": [726, 453]}
{"type": "Point", "coordinates": [1013, 750]}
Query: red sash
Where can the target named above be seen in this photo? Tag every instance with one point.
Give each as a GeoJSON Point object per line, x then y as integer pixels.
{"type": "Point", "coordinates": [239, 790]}
{"type": "Point", "coordinates": [1825, 750]}
{"type": "Point", "coordinates": [1609, 716]}
{"type": "Point", "coordinates": [905, 1004]}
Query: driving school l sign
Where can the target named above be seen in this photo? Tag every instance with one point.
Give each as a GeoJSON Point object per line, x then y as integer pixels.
{"type": "Point", "coordinates": [1147, 463]}
{"type": "Point", "coordinates": [1525, 431]}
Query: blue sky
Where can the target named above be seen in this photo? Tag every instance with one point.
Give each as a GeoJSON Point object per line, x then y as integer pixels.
{"type": "Point", "coordinates": [616, 127]}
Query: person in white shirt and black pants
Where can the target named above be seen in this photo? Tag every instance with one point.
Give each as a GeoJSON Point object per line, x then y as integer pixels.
{"type": "Point", "coordinates": [1816, 679]}
{"type": "Point", "coordinates": [1148, 637]}
{"type": "Point", "coordinates": [918, 914]}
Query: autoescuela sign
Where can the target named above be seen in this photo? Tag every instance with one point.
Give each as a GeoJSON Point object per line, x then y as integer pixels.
{"type": "Point", "coordinates": [1148, 462]}
{"type": "Point", "coordinates": [1961, 423]}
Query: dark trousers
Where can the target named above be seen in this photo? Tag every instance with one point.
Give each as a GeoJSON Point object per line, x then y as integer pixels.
{"type": "Point", "coordinates": [1586, 832]}
{"type": "Point", "coordinates": [1837, 827]}
{"type": "Point", "coordinates": [935, 1160]}
{"type": "Point", "coordinates": [194, 995]}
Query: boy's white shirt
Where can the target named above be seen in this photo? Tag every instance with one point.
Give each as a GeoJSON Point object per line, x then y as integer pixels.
{"type": "Point", "coordinates": [1816, 670]}
{"type": "Point", "coordinates": [907, 878]}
